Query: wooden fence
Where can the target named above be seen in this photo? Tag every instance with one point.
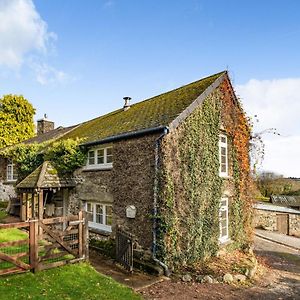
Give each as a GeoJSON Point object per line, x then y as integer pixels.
{"type": "Point", "coordinates": [43, 244]}
{"type": "Point", "coordinates": [124, 249]}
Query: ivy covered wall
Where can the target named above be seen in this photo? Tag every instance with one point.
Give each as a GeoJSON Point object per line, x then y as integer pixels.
{"type": "Point", "coordinates": [190, 187]}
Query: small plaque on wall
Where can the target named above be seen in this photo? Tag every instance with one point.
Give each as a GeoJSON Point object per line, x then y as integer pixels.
{"type": "Point", "coordinates": [130, 211]}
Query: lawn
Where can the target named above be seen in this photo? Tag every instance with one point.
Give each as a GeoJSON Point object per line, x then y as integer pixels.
{"type": "Point", "coordinates": [78, 281]}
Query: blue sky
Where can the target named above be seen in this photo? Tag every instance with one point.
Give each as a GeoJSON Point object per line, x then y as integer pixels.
{"type": "Point", "coordinates": [75, 60]}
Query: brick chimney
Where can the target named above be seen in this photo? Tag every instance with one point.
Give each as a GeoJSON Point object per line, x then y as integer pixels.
{"type": "Point", "coordinates": [44, 125]}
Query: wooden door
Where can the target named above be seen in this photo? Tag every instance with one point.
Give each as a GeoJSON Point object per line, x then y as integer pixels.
{"type": "Point", "coordinates": [283, 223]}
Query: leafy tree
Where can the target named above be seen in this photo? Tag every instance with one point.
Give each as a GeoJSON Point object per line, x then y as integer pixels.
{"type": "Point", "coordinates": [16, 120]}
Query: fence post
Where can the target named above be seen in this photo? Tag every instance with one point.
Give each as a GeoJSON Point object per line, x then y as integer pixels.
{"type": "Point", "coordinates": [80, 234]}
{"type": "Point", "coordinates": [85, 235]}
{"type": "Point", "coordinates": [33, 244]}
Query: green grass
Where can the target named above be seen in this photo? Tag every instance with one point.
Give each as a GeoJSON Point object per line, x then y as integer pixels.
{"type": "Point", "coordinates": [12, 234]}
{"type": "Point", "coordinates": [3, 215]}
{"type": "Point", "coordinates": [78, 281]}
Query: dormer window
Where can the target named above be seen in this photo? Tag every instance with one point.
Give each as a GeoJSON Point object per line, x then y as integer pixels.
{"type": "Point", "coordinates": [223, 155]}
{"type": "Point", "coordinates": [11, 174]}
{"type": "Point", "coordinates": [100, 158]}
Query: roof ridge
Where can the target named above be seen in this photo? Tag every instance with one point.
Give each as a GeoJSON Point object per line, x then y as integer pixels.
{"type": "Point", "coordinates": [153, 97]}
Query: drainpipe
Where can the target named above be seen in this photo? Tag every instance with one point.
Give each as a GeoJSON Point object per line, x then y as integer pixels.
{"type": "Point", "coordinates": [154, 229]}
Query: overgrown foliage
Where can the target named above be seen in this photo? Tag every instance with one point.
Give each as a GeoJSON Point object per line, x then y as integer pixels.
{"type": "Point", "coordinates": [66, 156]}
{"type": "Point", "coordinates": [238, 128]}
{"type": "Point", "coordinates": [16, 120]}
{"type": "Point", "coordinates": [189, 226]}
{"type": "Point", "coordinates": [190, 185]}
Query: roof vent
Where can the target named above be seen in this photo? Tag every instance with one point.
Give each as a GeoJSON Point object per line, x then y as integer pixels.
{"type": "Point", "coordinates": [127, 103]}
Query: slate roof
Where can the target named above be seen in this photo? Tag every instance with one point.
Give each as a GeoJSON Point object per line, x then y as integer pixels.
{"type": "Point", "coordinates": [154, 112]}
{"type": "Point", "coordinates": [50, 135]}
{"type": "Point", "coordinates": [283, 200]}
{"type": "Point", "coordinates": [45, 176]}
{"type": "Point", "coordinates": [277, 208]}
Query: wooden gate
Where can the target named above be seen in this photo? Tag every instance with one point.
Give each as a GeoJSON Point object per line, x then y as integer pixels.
{"type": "Point", "coordinates": [15, 251]}
{"type": "Point", "coordinates": [43, 244]}
{"type": "Point", "coordinates": [61, 241]}
{"type": "Point", "coordinates": [283, 223]}
{"type": "Point", "coordinates": [124, 249]}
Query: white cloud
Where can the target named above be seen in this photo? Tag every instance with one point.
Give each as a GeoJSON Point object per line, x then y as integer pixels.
{"type": "Point", "coordinates": [46, 74]}
{"type": "Point", "coordinates": [282, 156]}
{"type": "Point", "coordinates": [25, 41]}
{"type": "Point", "coordinates": [22, 30]}
{"type": "Point", "coordinates": [277, 104]}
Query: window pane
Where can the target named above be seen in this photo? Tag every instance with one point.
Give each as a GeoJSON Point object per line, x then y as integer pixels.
{"type": "Point", "coordinates": [223, 159]}
{"type": "Point", "coordinates": [224, 231]}
{"type": "Point", "coordinates": [89, 209]}
{"type": "Point", "coordinates": [223, 202]}
{"type": "Point", "coordinates": [100, 156]}
{"type": "Point", "coordinates": [109, 159]}
{"type": "Point", "coordinates": [223, 139]}
{"type": "Point", "coordinates": [109, 155]}
{"type": "Point", "coordinates": [99, 219]}
{"type": "Point", "coordinates": [99, 213]}
{"type": "Point", "coordinates": [91, 158]}
{"type": "Point", "coordinates": [223, 168]}
{"type": "Point", "coordinates": [99, 209]}
{"type": "Point", "coordinates": [223, 151]}
{"type": "Point", "coordinates": [108, 151]}
{"type": "Point", "coordinates": [108, 215]}
{"type": "Point", "coordinates": [15, 176]}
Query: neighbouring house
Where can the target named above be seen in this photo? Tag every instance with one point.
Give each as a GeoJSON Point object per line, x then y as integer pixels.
{"type": "Point", "coordinates": [172, 170]}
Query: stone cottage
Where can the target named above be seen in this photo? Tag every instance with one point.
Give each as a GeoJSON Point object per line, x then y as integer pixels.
{"type": "Point", "coordinates": [171, 170]}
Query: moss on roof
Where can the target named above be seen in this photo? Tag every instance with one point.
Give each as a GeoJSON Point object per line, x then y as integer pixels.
{"type": "Point", "coordinates": [157, 111]}
{"type": "Point", "coordinates": [46, 176]}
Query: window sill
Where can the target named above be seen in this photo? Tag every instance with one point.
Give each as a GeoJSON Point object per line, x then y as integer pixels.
{"type": "Point", "coordinates": [97, 168]}
{"type": "Point", "coordinates": [225, 242]}
{"type": "Point", "coordinates": [99, 231]}
{"type": "Point", "coordinates": [225, 176]}
{"type": "Point", "coordinates": [11, 181]}
{"type": "Point", "coordinates": [96, 226]}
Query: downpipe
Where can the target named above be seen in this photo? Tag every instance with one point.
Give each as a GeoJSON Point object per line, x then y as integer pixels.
{"type": "Point", "coordinates": [154, 229]}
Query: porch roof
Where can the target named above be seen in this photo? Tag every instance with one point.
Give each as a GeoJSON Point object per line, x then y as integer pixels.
{"type": "Point", "coordinates": [46, 176]}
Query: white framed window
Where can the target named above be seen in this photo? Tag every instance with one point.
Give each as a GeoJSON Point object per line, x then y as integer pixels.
{"type": "Point", "coordinates": [223, 220]}
{"type": "Point", "coordinates": [100, 158]}
{"type": "Point", "coordinates": [99, 215]}
{"type": "Point", "coordinates": [223, 155]}
{"type": "Point", "coordinates": [11, 174]}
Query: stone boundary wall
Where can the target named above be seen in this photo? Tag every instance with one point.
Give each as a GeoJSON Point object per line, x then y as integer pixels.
{"type": "Point", "coordinates": [268, 220]}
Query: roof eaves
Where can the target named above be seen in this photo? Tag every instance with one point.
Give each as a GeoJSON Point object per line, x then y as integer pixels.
{"type": "Point", "coordinates": [197, 102]}
{"type": "Point", "coordinates": [126, 135]}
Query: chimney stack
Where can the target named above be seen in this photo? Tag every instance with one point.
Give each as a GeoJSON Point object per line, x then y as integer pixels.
{"type": "Point", "coordinates": [44, 125]}
{"type": "Point", "coordinates": [127, 103]}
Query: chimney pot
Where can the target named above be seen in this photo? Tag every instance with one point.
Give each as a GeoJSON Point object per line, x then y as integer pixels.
{"type": "Point", "coordinates": [127, 103]}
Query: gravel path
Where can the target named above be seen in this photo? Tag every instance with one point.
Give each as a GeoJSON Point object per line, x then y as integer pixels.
{"type": "Point", "coordinates": [281, 281]}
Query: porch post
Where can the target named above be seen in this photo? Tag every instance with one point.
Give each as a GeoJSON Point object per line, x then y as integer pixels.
{"type": "Point", "coordinates": [27, 206]}
{"type": "Point", "coordinates": [41, 209]}
{"type": "Point", "coordinates": [22, 207]}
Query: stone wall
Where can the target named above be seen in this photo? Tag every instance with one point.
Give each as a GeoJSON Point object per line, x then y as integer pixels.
{"type": "Point", "coordinates": [268, 220]}
{"type": "Point", "coordinates": [129, 182]}
{"type": "Point", "coordinates": [265, 219]}
{"type": "Point", "coordinates": [294, 225]}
